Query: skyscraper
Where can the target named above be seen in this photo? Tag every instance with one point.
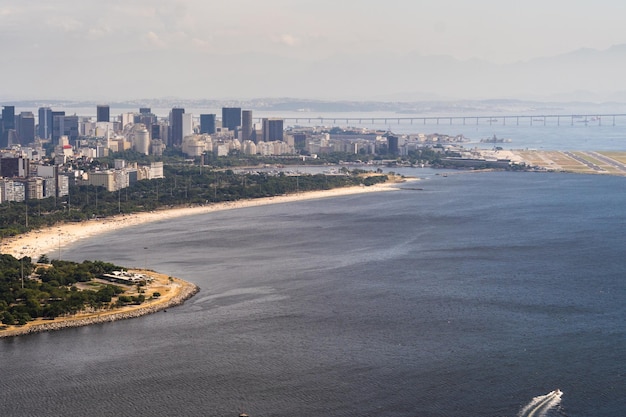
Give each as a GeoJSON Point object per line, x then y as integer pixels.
{"type": "Point", "coordinates": [392, 145]}
{"type": "Point", "coordinates": [26, 127]}
{"type": "Point", "coordinates": [246, 125]}
{"type": "Point", "coordinates": [176, 126]}
{"type": "Point", "coordinates": [44, 130]}
{"type": "Point", "coordinates": [57, 126]}
{"type": "Point", "coordinates": [8, 117]}
{"type": "Point", "coordinates": [70, 127]}
{"type": "Point", "coordinates": [272, 129]}
{"type": "Point", "coordinates": [299, 141]}
{"type": "Point", "coordinates": [7, 128]}
{"type": "Point", "coordinates": [103, 113]}
{"type": "Point", "coordinates": [207, 123]}
{"type": "Point", "coordinates": [231, 117]}
{"type": "Point", "coordinates": [187, 125]}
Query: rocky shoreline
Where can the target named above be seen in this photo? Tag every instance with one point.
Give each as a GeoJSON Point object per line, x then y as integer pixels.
{"type": "Point", "coordinates": [188, 291]}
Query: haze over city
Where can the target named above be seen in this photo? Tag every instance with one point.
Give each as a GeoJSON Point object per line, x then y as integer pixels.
{"type": "Point", "coordinates": [366, 50]}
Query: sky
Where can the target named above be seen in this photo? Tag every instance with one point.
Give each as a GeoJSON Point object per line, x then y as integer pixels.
{"type": "Point", "coordinates": [316, 48]}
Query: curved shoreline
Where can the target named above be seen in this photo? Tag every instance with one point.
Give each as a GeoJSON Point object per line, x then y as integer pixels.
{"type": "Point", "coordinates": [185, 292]}
{"type": "Point", "coordinates": [47, 240]}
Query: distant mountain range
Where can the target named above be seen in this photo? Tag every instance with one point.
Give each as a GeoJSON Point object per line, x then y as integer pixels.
{"type": "Point", "coordinates": [582, 75]}
{"type": "Point", "coordinates": [313, 108]}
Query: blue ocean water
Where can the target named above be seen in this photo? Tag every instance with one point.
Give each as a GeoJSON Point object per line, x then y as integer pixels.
{"type": "Point", "coordinates": [474, 294]}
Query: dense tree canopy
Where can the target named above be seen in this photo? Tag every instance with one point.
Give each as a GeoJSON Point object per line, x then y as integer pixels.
{"type": "Point", "coordinates": [182, 185]}
{"type": "Point", "coordinates": [50, 291]}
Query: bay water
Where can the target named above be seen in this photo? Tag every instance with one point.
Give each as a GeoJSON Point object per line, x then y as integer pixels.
{"type": "Point", "coordinates": [464, 294]}
{"type": "Point", "coordinates": [469, 294]}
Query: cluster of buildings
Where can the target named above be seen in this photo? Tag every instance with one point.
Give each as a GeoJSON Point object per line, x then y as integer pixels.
{"type": "Point", "coordinates": [39, 154]}
{"type": "Point", "coordinates": [145, 132]}
{"type": "Point", "coordinates": [25, 175]}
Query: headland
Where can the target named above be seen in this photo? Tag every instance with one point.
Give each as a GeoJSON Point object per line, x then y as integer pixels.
{"type": "Point", "coordinates": [173, 291]}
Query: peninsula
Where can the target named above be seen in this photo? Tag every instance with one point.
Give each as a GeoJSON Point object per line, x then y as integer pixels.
{"type": "Point", "coordinates": [163, 292]}
{"type": "Point", "coordinates": [170, 291]}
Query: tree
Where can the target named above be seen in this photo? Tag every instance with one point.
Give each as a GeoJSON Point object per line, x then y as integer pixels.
{"type": "Point", "coordinates": [7, 318]}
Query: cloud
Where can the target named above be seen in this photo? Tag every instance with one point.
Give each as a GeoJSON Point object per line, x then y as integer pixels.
{"type": "Point", "coordinates": [154, 40]}
{"type": "Point", "coordinates": [200, 43]}
{"type": "Point", "coordinates": [65, 23]}
{"type": "Point", "coordinates": [6, 11]}
{"type": "Point", "coordinates": [286, 39]}
{"type": "Point", "coordinates": [98, 32]}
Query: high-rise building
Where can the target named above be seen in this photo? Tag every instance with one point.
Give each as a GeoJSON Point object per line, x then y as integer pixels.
{"type": "Point", "coordinates": [8, 117]}
{"type": "Point", "coordinates": [103, 113]}
{"type": "Point", "coordinates": [70, 127]}
{"type": "Point", "coordinates": [187, 124]}
{"type": "Point", "coordinates": [57, 125]}
{"type": "Point", "coordinates": [207, 124]}
{"type": "Point", "coordinates": [246, 125]}
{"type": "Point", "coordinates": [231, 118]}
{"type": "Point", "coordinates": [299, 141]}
{"type": "Point", "coordinates": [176, 126]}
{"type": "Point", "coordinates": [392, 145]}
{"type": "Point", "coordinates": [155, 131]}
{"type": "Point", "coordinates": [26, 127]}
{"type": "Point", "coordinates": [272, 129]}
{"type": "Point", "coordinates": [7, 127]}
{"type": "Point", "coordinates": [63, 125]}
{"type": "Point", "coordinates": [141, 142]}
{"type": "Point", "coordinates": [145, 110]}
{"type": "Point", "coordinates": [44, 130]}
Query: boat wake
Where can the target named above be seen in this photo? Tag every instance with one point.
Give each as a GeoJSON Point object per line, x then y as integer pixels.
{"type": "Point", "coordinates": [540, 406]}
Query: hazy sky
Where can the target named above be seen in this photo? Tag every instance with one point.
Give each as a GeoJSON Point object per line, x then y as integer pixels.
{"type": "Point", "coordinates": [145, 42]}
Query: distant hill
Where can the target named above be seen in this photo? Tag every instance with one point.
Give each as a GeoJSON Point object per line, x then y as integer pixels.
{"type": "Point", "coordinates": [584, 74]}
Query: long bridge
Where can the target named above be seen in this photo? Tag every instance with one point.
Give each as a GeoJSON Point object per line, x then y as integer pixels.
{"type": "Point", "coordinates": [503, 120]}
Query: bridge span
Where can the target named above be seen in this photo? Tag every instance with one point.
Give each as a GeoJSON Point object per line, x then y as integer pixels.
{"type": "Point", "coordinates": [586, 119]}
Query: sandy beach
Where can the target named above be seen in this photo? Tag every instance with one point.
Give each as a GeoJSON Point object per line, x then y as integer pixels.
{"type": "Point", "coordinates": [51, 241]}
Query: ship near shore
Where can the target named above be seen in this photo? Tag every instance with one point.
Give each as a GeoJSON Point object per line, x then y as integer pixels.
{"type": "Point", "coordinates": [495, 139]}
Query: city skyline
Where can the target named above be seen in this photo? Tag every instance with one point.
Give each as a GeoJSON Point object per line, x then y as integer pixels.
{"type": "Point", "coordinates": [348, 50]}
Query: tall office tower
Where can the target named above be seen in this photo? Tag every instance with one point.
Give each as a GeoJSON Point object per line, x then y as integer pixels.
{"type": "Point", "coordinates": [26, 127]}
{"type": "Point", "coordinates": [57, 126]}
{"type": "Point", "coordinates": [176, 126]}
{"type": "Point", "coordinates": [145, 110]}
{"type": "Point", "coordinates": [187, 124]}
{"type": "Point", "coordinates": [146, 118]}
{"type": "Point", "coordinates": [272, 129]}
{"type": "Point", "coordinates": [299, 141]}
{"type": "Point", "coordinates": [231, 118]}
{"type": "Point", "coordinates": [8, 117]}
{"type": "Point", "coordinates": [142, 141]}
{"type": "Point", "coordinates": [70, 128]}
{"type": "Point", "coordinates": [392, 145]}
{"type": "Point", "coordinates": [155, 131]}
{"type": "Point", "coordinates": [44, 130]}
{"type": "Point", "coordinates": [207, 123]}
{"type": "Point", "coordinates": [246, 125]}
{"type": "Point", "coordinates": [103, 113]}
{"type": "Point", "coordinates": [7, 127]}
